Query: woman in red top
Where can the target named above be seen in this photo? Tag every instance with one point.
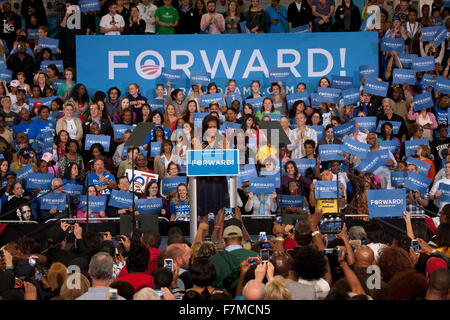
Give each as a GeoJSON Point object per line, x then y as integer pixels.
{"type": "Point", "coordinates": [424, 154]}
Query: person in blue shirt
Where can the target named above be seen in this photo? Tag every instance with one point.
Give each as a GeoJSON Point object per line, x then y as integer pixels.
{"type": "Point", "coordinates": [276, 18]}
{"type": "Point", "coordinates": [180, 207]}
{"type": "Point", "coordinates": [43, 124]}
{"type": "Point", "coordinates": [25, 125]}
{"type": "Point", "coordinates": [102, 180]}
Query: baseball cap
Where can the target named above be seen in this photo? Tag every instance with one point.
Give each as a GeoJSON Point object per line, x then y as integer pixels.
{"type": "Point", "coordinates": [24, 269]}
{"type": "Point", "coordinates": [47, 157]}
{"type": "Point", "coordinates": [11, 173]}
{"type": "Point", "coordinates": [232, 231]}
{"type": "Point", "coordinates": [25, 154]}
{"type": "Point", "coordinates": [14, 83]}
{"type": "Point", "coordinates": [37, 104]}
{"type": "Point", "coordinates": [435, 263]}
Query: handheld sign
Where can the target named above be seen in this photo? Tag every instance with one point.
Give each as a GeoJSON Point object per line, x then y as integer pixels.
{"type": "Point", "coordinates": [398, 178]}
{"type": "Point", "coordinates": [329, 152]}
{"type": "Point", "coordinates": [341, 82]}
{"type": "Point", "coordinates": [200, 77]}
{"type": "Point", "coordinates": [423, 63]}
{"type": "Point", "coordinates": [404, 76]}
{"type": "Point", "coordinates": [367, 123]}
{"type": "Point", "coordinates": [351, 96]}
{"type": "Point", "coordinates": [149, 206]}
{"type": "Point", "coordinates": [96, 203]}
{"type": "Point", "coordinates": [262, 185]}
{"type": "Point", "coordinates": [93, 138]}
{"type": "Point", "coordinates": [423, 101]}
{"type": "Point", "coordinates": [42, 181]}
{"type": "Point", "coordinates": [368, 71]}
{"type": "Point", "coordinates": [395, 125]}
{"type": "Point", "coordinates": [411, 146]}
{"type": "Point", "coordinates": [386, 203]}
{"type": "Point", "coordinates": [422, 166]}
{"type": "Point", "coordinates": [120, 199]}
{"type": "Point", "coordinates": [291, 201]}
{"type": "Point", "coordinates": [206, 99]}
{"type": "Point", "coordinates": [174, 76]}
{"type": "Point", "coordinates": [279, 75]}
{"type": "Point", "coordinates": [53, 200]}
{"type": "Point", "coordinates": [417, 182]}
{"type": "Point", "coordinates": [445, 189]}
{"type": "Point", "coordinates": [344, 129]}
{"type": "Point", "coordinates": [326, 189]}
{"type": "Point", "coordinates": [74, 190]}
{"type": "Point", "coordinates": [141, 179]}
{"type": "Point", "coordinates": [378, 88]}
{"type": "Point", "coordinates": [359, 149]}
{"type": "Point", "coordinates": [171, 184]}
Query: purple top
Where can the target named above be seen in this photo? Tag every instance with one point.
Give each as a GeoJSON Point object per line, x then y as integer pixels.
{"type": "Point", "coordinates": [303, 184]}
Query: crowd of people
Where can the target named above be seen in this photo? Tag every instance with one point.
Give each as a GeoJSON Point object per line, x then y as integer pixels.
{"type": "Point", "coordinates": [49, 123]}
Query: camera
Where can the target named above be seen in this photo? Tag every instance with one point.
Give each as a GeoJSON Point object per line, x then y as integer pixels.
{"type": "Point", "coordinates": [112, 293]}
{"type": "Point", "coordinates": [207, 238]}
{"type": "Point", "coordinates": [330, 225]}
{"type": "Point", "coordinates": [262, 236]}
{"type": "Point", "coordinates": [333, 251]}
{"type": "Point", "coordinates": [265, 245]}
{"type": "Point", "coordinates": [279, 220]}
{"type": "Point", "coordinates": [228, 211]}
{"type": "Point", "coordinates": [415, 245]}
{"type": "Point", "coordinates": [264, 254]}
{"type": "Point", "coordinates": [168, 264]}
{"type": "Point", "coordinates": [253, 260]}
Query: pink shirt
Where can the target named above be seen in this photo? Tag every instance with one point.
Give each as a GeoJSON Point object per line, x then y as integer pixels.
{"type": "Point", "coordinates": [213, 29]}
{"type": "Point", "coordinates": [429, 119]}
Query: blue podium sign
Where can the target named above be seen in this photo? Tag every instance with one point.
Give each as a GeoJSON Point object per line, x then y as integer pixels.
{"type": "Point", "coordinates": [212, 162]}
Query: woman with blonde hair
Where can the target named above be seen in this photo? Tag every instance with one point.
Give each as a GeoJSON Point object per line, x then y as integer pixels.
{"type": "Point", "coordinates": [70, 123]}
{"type": "Point", "coordinates": [424, 154]}
{"type": "Point", "coordinates": [278, 289]}
{"type": "Point", "coordinates": [74, 292]}
{"type": "Point", "coordinates": [41, 79]}
{"type": "Point", "coordinates": [56, 277]}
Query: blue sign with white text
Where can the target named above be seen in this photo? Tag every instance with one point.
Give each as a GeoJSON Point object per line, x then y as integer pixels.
{"type": "Point", "coordinates": [262, 185]}
{"type": "Point", "coordinates": [329, 152]}
{"type": "Point", "coordinates": [149, 206]}
{"type": "Point", "coordinates": [213, 162]}
{"type": "Point", "coordinates": [417, 182]}
{"type": "Point", "coordinates": [93, 138]}
{"type": "Point", "coordinates": [96, 203]}
{"type": "Point", "coordinates": [53, 200]}
{"type": "Point", "coordinates": [386, 203]}
{"type": "Point", "coordinates": [359, 149]}
{"type": "Point", "coordinates": [366, 123]}
{"type": "Point", "coordinates": [326, 189]}
{"type": "Point", "coordinates": [120, 199]}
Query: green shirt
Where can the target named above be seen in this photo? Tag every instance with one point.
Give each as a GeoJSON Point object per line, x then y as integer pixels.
{"type": "Point", "coordinates": [166, 15]}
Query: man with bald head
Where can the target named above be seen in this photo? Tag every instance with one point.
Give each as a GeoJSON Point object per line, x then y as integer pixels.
{"type": "Point", "coordinates": [282, 263]}
{"type": "Point", "coordinates": [180, 253]}
{"type": "Point", "coordinates": [254, 290]}
{"type": "Point", "coordinates": [438, 285]}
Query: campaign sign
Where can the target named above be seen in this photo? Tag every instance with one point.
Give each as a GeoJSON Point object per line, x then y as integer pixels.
{"type": "Point", "coordinates": [351, 96]}
{"type": "Point", "coordinates": [120, 199]}
{"type": "Point", "coordinates": [368, 71]}
{"type": "Point", "coordinates": [391, 145]}
{"type": "Point", "coordinates": [53, 199]}
{"type": "Point", "coordinates": [149, 206]}
{"type": "Point", "coordinates": [440, 36]}
{"type": "Point", "coordinates": [156, 104]}
{"type": "Point", "coordinates": [423, 101]}
{"type": "Point", "coordinates": [300, 29]}
{"type": "Point", "coordinates": [58, 63]}
{"type": "Point", "coordinates": [3, 64]}
{"type": "Point", "coordinates": [200, 77]}
{"type": "Point", "coordinates": [442, 85]}
{"type": "Point", "coordinates": [155, 149]}
{"type": "Point", "coordinates": [445, 189]}
{"type": "Point", "coordinates": [374, 160]}
{"type": "Point", "coordinates": [262, 185]}
{"type": "Point", "coordinates": [406, 59]}
{"type": "Point", "coordinates": [57, 82]}
{"type": "Point", "coordinates": [243, 25]}
{"type": "Point", "coordinates": [256, 102]}
{"type": "Point", "coordinates": [93, 138]}
{"type": "Point", "coordinates": [428, 33]}
{"type": "Point", "coordinates": [398, 178]}
{"type": "Point", "coordinates": [344, 129]}
{"type": "Point", "coordinates": [386, 203]}
{"type": "Point", "coordinates": [170, 184]}
{"type": "Point", "coordinates": [438, 21]}
{"type": "Point", "coordinates": [422, 166]}
{"type": "Point", "coordinates": [6, 75]}
{"type": "Point", "coordinates": [411, 146]}
{"type": "Point", "coordinates": [141, 179]}
{"type": "Point", "coordinates": [292, 98]}
{"type": "Point", "coordinates": [328, 94]}
{"type": "Point", "coordinates": [73, 189]}
{"type": "Point", "coordinates": [33, 34]}
{"type": "Point", "coordinates": [326, 190]}
{"type": "Point", "coordinates": [286, 201]}
{"type": "Point", "coordinates": [89, 5]}
{"type": "Point", "coordinates": [428, 80]}
{"type": "Point", "coordinates": [96, 203]}
{"type": "Point", "coordinates": [315, 103]}
{"type": "Point", "coordinates": [423, 63]}
{"type": "Point", "coordinates": [279, 75]}
{"type": "Point", "coordinates": [366, 123]}
{"type": "Point", "coordinates": [359, 149]}
{"type": "Point", "coordinates": [274, 117]}
{"type": "Point", "coordinates": [303, 164]}
{"type": "Point", "coordinates": [234, 96]}
{"type": "Point", "coordinates": [44, 142]}
{"type": "Point", "coordinates": [206, 99]}
{"type": "Point", "coordinates": [50, 43]}
{"type": "Point", "coordinates": [246, 173]}
{"type": "Point", "coordinates": [391, 44]}
{"type": "Point", "coordinates": [42, 181]}
{"type": "Point", "coordinates": [404, 76]}
{"type": "Point", "coordinates": [329, 152]}
{"type": "Point", "coordinates": [341, 82]}
{"type": "Point", "coordinates": [213, 162]}
{"type": "Point", "coordinates": [395, 125]}
{"type": "Point", "coordinates": [198, 118]}
{"type": "Point", "coordinates": [23, 172]}
{"type": "Point", "coordinates": [119, 129]}
{"type": "Point", "coordinates": [174, 76]}
{"type": "Point", "coordinates": [417, 182]}
{"type": "Point", "coordinates": [377, 88]}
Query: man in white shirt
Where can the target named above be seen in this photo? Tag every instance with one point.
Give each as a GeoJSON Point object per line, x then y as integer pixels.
{"type": "Point", "coordinates": [147, 11]}
{"type": "Point", "coordinates": [299, 135]}
{"type": "Point", "coordinates": [112, 23]}
{"type": "Point", "coordinates": [435, 192]}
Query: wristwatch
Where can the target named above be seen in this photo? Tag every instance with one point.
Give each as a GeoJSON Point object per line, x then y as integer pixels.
{"type": "Point", "coordinates": [315, 233]}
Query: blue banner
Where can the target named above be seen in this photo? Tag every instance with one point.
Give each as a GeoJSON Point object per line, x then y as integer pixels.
{"type": "Point", "coordinates": [428, 80]}
{"type": "Point", "coordinates": [96, 203]}
{"type": "Point", "coordinates": [423, 101]}
{"type": "Point", "coordinates": [255, 102]}
{"type": "Point", "coordinates": [359, 149]}
{"type": "Point", "coordinates": [206, 99]}
{"type": "Point", "coordinates": [57, 82]}
{"type": "Point", "coordinates": [417, 182]}
{"type": "Point", "coordinates": [406, 59]}
{"type": "Point", "coordinates": [155, 149]}
{"type": "Point", "coordinates": [120, 199]}
{"type": "Point", "coordinates": [73, 189]}
{"type": "Point", "coordinates": [6, 75]}
{"type": "Point", "coordinates": [395, 125]}
{"type": "Point", "coordinates": [213, 162]}
{"type": "Point", "coordinates": [428, 33]}
{"type": "Point", "coordinates": [243, 25]}
{"type": "Point", "coordinates": [174, 76]}
{"type": "Point", "coordinates": [292, 98]}
{"type": "Point", "coordinates": [93, 138]}
{"type": "Point", "coordinates": [103, 63]}
{"type": "Point", "coordinates": [368, 71]}
{"type": "Point", "coordinates": [89, 5]}
{"type": "Point", "coordinates": [442, 85]}
{"type": "Point", "coordinates": [279, 75]}
{"type": "Point", "coordinates": [3, 64]}
{"type": "Point", "coordinates": [44, 142]}
{"type": "Point", "coordinates": [119, 129]}
{"type": "Point", "coordinates": [246, 173]}
{"type": "Point", "coordinates": [32, 34]}
{"type": "Point", "coordinates": [156, 104]}
{"type": "Point", "coordinates": [398, 178]}
{"type": "Point", "coordinates": [171, 184]}
{"type": "Point", "coordinates": [200, 77]}
{"type": "Point", "coordinates": [53, 200]}
{"type": "Point", "coordinates": [42, 181]}
{"type": "Point", "coordinates": [366, 123]}
{"type": "Point", "coordinates": [47, 101]}
{"type": "Point", "coordinates": [422, 166]}
{"type": "Point", "coordinates": [234, 96]}
{"type": "Point", "coordinates": [404, 76]}
{"type": "Point", "coordinates": [262, 185]}
{"type": "Point", "coordinates": [303, 164]}
{"type": "Point", "coordinates": [149, 206]}
{"type": "Point", "coordinates": [378, 88]}
{"type": "Point", "coordinates": [58, 63]}
{"type": "Point", "coordinates": [23, 172]}
{"type": "Point", "coordinates": [328, 94]}
{"type": "Point", "coordinates": [326, 190]}
{"type": "Point", "coordinates": [50, 43]}
{"type": "Point", "coordinates": [445, 189]}
{"type": "Point", "coordinates": [320, 131]}
{"type": "Point", "coordinates": [291, 201]}
{"type": "Point", "coordinates": [300, 29]}
{"type": "Point", "coordinates": [344, 129]}
{"type": "Point", "coordinates": [440, 36]}
{"type": "Point", "coordinates": [314, 100]}
{"type": "Point", "coordinates": [330, 152]}
{"type": "Point", "coordinates": [411, 146]}
{"type": "Point", "coordinates": [391, 145]}
{"type": "Point", "coordinates": [351, 96]}
{"type": "Point", "coordinates": [386, 203]}
{"type": "Point", "coordinates": [341, 82]}
{"type": "Point", "coordinates": [391, 44]}
{"type": "Point", "coordinates": [423, 63]}
{"type": "Point", "coordinates": [374, 160]}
